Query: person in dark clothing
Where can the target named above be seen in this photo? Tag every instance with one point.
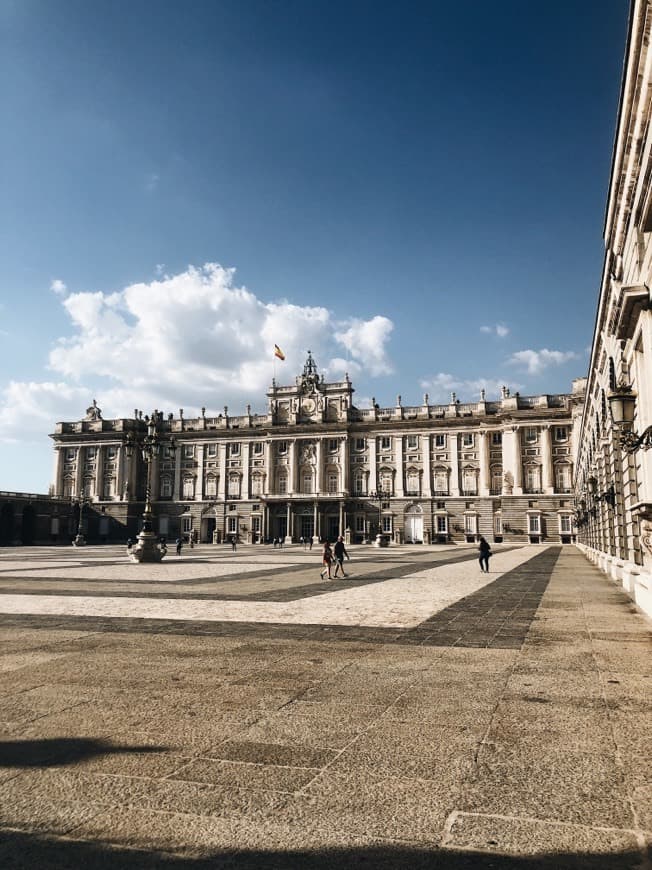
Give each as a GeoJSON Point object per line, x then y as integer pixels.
{"type": "Point", "coordinates": [233, 543]}
{"type": "Point", "coordinates": [485, 552]}
{"type": "Point", "coordinates": [179, 546]}
{"type": "Point", "coordinates": [326, 560]}
{"type": "Point", "coordinates": [340, 552]}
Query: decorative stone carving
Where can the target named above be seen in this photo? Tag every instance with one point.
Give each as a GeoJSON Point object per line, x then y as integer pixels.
{"type": "Point", "coordinates": [93, 413]}
{"type": "Point", "coordinates": [508, 480]}
{"type": "Point", "coordinates": [646, 535]}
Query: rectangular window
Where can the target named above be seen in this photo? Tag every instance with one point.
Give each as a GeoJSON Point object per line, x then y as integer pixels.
{"type": "Point", "coordinates": [467, 439]}
{"type": "Point", "coordinates": [258, 448]}
{"type": "Point", "coordinates": [234, 449]}
{"type": "Point", "coordinates": [282, 447]}
{"type": "Point", "coordinates": [530, 435]}
{"type": "Point", "coordinates": [211, 486]}
{"type": "Point", "coordinates": [188, 451]}
{"type": "Point", "coordinates": [387, 525]}
{"type": "Point", "coordinates": [256, 485]}
{"type": "Point", "coordinates": [282, 484]}
{"type": "Point", "coordinates": [186, 524]}
{"type": "Point", "coordinates": [359, 444]}
{"type": "Point", "coordinates": [385, 443]}
{"type": "Point", "coordinates": [470, 524]}
{"type": "Point", "coordinates": [332, 445]}
{"type": "Point", "coordinates": [440, 441]}
{"type": "Point", "coordinates": [498, 525]}
{"type": "Point", "coordinates": [358, 484]}
{"type": "Point", "coordinates": [561, 433]}
{"type": "Point", "coordinates": [359, 523]}
{"type": "Point", "coordinates": [111, 452]}
{"type": "Point", "coordinates": [70, 454]}
{"type": "Point", "coordinates": [232, 525]}
{"type": "Point", "coordinates": [565, 523]}
{"type": "Point", "coordinates": [90, 454]}
{"type": "Point", "coordinates": [211, 450]}
{"type": "Point", "coordinates": [496, 438]}
{"type": "Point", "coordinates": [442, 525]}
{"type": "Point", "coordinates": [534, 524]}
{"type": "Point", "coordinates": [412, 442]}
{"type": "Point", "coordinates": [166, 488]}
{"type": "Point", "coordinates": [332, 483]}
{"type": "Point", "coordinates": [255, 524]}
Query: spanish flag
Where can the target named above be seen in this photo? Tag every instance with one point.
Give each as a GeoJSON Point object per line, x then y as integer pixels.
{"type": "Point", "coordinates": [278, 352]}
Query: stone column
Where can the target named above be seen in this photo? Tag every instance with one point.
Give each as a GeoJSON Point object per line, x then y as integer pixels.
{"type": "Point", "coordinates": [288, 531]}
{"type": "Point", "coordinates": [400, 484]}
{"type": "Point", "coordinates": [246, 471]}
{"type": "Point", "coordinates": [315, 523]}
{"type": "Point", "coordinates": [199, 489]}
{"type": "Point", "coordinates": [176, 492]}
{"type": "Point", "coordinates": [455, 463]}
{"type": "Point", "coordinates": [484, 464]}
{"type": "Point", "coordinates": [547, 482]}
{"type": "Point", "coordinates": [120, 472]}
{"type": "Point", "coordinates": [99, 472]}
{"type": "Point", "coordinates": [426, 488]}
{"type": "Point", "coordinates": [292, 470]}
{"type": "Point", "coordinates": [319, 471]}
{"type": "Point", "coordinates": [58, 470]}
{"type": "Point", "coordinates": [373, 464]}
{"type": "Point", "coordinates": [221, 465]}
{"type": "Point", "coordinates": [346, 465]}
{"type": "Point", "coordinates": [518, 463]}
{"type": "Point", "coordinates": [268, 468]}
{"type": "Point", "coordinates": [79, 471]}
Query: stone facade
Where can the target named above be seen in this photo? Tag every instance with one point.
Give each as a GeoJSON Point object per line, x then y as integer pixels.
{"type": "Point", "coordinates": [614, 487]}
{"type": "Point", "coordinates": [315, 466]}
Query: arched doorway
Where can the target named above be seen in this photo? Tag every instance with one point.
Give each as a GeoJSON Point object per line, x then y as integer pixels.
{"type": "Point", "coordinates": [27, 525]}
{"type": "Point", "coordinates": [6, 525]}
{"type": "Point", "coordinates": [414, 525]}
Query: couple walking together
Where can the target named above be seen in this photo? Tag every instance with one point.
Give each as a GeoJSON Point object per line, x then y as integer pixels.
{"type": "Point", "coordinates": [336, 554]}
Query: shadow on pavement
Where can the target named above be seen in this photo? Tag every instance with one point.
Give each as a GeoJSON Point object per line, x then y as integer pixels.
{"type": "Point", "coordinates": [60, 750]}
{"type": "Point", "coordinates": [19, 851]}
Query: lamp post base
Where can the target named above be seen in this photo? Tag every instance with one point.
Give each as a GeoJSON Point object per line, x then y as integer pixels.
{"type": "Point", "coordinates": [147, 548]}
{"type": "Point", "coordinates": [78, 541]}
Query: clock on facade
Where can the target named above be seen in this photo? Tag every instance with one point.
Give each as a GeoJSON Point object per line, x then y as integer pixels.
{"type": "Point", "coordinates": [309, 406]}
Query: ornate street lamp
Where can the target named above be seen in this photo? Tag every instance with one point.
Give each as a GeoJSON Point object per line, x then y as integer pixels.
{"type": "Point", "coordinates": [80, 501]}
{"type": "Point", "coordinates": [150, 442]}
{"type": "Point", "coordinates": [378, 496]}
{"type": "Point", "coordinates": [622, 404]}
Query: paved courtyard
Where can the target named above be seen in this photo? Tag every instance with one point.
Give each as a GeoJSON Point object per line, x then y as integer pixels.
{"type": "Point", "coordinates": [235, 710]}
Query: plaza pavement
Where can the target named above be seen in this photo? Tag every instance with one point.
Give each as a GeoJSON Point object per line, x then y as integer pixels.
{"type": "Point", "coordinates": [235, 710]}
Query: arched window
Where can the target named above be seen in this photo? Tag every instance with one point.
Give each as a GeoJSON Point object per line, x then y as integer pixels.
{"type": "Point", "coordinates": [441, 481]}
{"type": "Point", "coordinates": [68, 487]}
{"type": "Point", "coordinates": [496, 479]}
{"type": "Point", "coordinates": [282, 483]}
{"type": "Point", "coordinates": [562, 477]}
{"type": "Point", "coordinates": [333, 482]}
{"type": "Point", "coordinates": [470, 481]}
{"type": "Point", "coordinates": [166, 487]}
{"type": "Point", "coordinates": [412, 480]}
{"type": "Point", "coordinates": [359, 487]}
{"type": "Point", "coordinates": [256, 484]}
{"type": "Point", "coordinates": [188, 487]}
{"type": "Point", "coordinates": [234, 485]}
{"type": "Point", "coordinates": [88, 487]}
{"type": "Point", "coordinates": [211, 486]}
{"type": "Point", "coordinates": [533, 478]}
{"type": "Point", "coordinates": [108, 488]}
{"type": "Point", "coordinates": [306, 480]}
{"type": "Point", "coordinates": [386, 481]}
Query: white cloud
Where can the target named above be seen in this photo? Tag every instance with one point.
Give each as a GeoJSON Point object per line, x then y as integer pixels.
{"type": "Point", "coordinates": [365, 340]}
{"type": "Point", "coordinates": [58, 287]}
{"type": "Point", "coordinates": [537, 360]}
{"type": "Point", "coordinates": [151, 182]}
{"type": "Point", "coordinates": [441, 385]}
{"type": "Point", "coordinates": [188, 340]}
{"type": "Point", "coordinates": [498, 329]}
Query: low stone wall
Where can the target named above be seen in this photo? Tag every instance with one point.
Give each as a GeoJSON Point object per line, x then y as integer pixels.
{"type": "Point", "coordinates": [636, 580]}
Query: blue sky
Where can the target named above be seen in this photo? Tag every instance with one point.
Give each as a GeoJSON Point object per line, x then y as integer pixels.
{"type": "Point", "coordinates": [413, 191]}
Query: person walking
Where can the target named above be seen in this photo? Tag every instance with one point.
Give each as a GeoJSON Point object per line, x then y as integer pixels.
{"type": "Point", "coordinates": [340, 552]}
{"type": "Point", "coordinates": [179, 545]}
{"type": "Point", "coordinates": [326, 560]}
{"type": "Point", "coordinates": [233, 543]}
{"type": "Point", "coordinates": [485, 553]}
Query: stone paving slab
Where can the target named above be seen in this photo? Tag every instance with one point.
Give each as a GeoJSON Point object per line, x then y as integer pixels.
{"type": "Point", "coordinates": [175, 743]}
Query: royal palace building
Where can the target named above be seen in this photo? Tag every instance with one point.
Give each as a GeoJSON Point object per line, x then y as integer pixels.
{"type": "Point", "coordinates": [316, 466]}
{"type": "Point", "coordinates": [614, 475]}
